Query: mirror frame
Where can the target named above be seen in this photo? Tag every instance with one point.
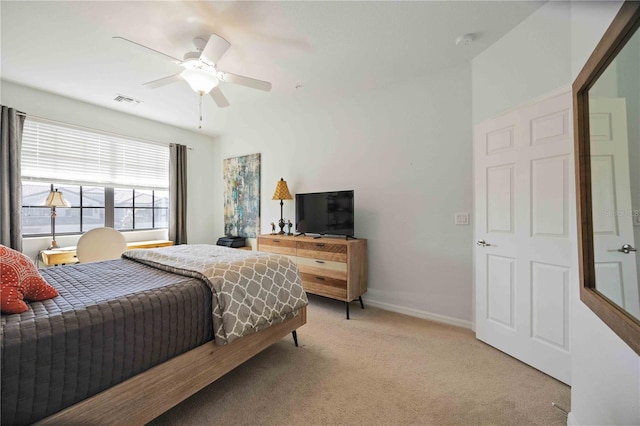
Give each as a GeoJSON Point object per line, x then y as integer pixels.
{"type": "Point", "coordinates": [623, 26]}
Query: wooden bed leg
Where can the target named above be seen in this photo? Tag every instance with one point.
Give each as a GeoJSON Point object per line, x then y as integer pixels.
{"type": "Point", "coordinates": [294, 333]}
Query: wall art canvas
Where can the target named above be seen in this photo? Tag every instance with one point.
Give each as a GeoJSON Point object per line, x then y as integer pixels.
{"type": "Point", "coordinates": [242, 196]}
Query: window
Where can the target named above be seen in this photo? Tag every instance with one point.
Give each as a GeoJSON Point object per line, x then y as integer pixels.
{"type": "Point", "coordinates": [36, 218]}
{"type": "Point", "coordinates": [134, 209]}
{"type": "Point", "coordinates": [140, 209]}
{"type": "Point", "coordinates": [108, 180]}
{"type": "Point", "coordinates": [87, 209]}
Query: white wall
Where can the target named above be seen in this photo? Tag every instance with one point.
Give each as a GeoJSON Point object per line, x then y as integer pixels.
{"type": "Point", "coordinates": [528, 62]}
{"type": "Point", "coordinates": [544, 52]}
{"type": "Point", "coordinates": [201, 170]}
{"type": "Point", "coordinates": [406, 151]}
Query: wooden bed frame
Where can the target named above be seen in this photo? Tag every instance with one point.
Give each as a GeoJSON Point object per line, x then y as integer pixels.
{"type": "Point", "coordinates": [144, 397]}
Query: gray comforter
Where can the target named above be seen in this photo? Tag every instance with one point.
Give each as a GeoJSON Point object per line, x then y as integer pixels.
{"type": "Point", "coordinates": [111, 321]}
{"type": "Point", "coordinates": [115, 319]}
{"type": "Point", "coordinates": [250, 290]}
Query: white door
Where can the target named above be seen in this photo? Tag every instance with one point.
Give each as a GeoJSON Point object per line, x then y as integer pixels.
{"type": "Point", "coordinates": [616, 274]}
{"type": "Point", "coordinates": [525, 236]}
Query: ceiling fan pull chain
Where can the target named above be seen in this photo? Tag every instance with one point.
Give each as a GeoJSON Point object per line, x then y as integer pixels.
{"type": "Point", "coordinates": [200, 112]}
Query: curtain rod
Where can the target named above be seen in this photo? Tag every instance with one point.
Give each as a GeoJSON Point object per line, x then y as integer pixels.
{"type": "Point", "coordinates": [96, 130]}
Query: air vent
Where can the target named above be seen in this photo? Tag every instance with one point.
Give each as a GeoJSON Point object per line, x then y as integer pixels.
{"type": "Point", "coordinates": [126, 100]}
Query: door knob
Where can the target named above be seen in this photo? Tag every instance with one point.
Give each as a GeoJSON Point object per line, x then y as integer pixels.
{"type": "Point", "coordinates": [483, 243]}
{"type": "Point", "coordinates": [626, 248]}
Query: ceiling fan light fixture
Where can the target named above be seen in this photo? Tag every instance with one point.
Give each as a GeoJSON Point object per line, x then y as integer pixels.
{"type": "Point", "coordinates": [201, 82]}
{"type": "Point", "coordinates": [201, 73]}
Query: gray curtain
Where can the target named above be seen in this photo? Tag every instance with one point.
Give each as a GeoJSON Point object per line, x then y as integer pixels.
{"type": "Point", "coordinates": [11, 125]}
{"type": "Point", "coordinates": [178, 193]}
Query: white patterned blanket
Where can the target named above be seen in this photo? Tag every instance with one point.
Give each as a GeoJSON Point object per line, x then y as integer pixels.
{"type": "Point", "coordinates": [250, 290]}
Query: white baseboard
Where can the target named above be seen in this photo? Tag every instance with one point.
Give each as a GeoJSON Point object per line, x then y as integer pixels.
{"type": "Point", "coordinates": [419, 313]}
{"type": "Point", "coordinates": [571, 420]}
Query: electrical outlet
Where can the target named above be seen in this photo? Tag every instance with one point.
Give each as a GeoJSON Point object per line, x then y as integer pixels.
{"type": "Point", "coordinates": [462, 218]}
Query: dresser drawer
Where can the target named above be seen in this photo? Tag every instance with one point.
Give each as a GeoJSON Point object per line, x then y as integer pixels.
{"type": "Point", "coordinates": [325, 251]}
{"type": "Point", "coordinates": [276, 245]}
{"type": "Point", "coordinates": [324, 286]}
{"type": "Point", "coordinates": [325, 268]}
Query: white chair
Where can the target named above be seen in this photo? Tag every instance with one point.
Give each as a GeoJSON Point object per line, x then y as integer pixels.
{"type": "Point", "coordinates": [100, 244]}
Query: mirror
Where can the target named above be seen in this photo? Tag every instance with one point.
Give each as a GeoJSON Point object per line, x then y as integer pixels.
{"type": "Point", "coordinates": [607, 131]}
{"type": "Point", "coordinates": [614, 140]}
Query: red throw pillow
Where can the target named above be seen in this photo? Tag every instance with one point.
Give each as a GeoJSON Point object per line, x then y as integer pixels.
{"type": "Point", "coordinates": [19, 281]}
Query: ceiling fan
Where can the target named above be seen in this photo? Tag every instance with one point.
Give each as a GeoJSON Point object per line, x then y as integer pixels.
{"type": "Point", "coordinates": [201, 72]}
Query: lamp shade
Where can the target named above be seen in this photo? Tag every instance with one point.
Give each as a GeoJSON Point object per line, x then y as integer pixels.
{"type": "Point", "coordinates": [282, 191]}
{"type": "Point", "coordinates": [55, 199]}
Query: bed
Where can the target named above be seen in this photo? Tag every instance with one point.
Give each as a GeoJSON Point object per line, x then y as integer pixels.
{"type": "Point", "coordinates": [128, 339]}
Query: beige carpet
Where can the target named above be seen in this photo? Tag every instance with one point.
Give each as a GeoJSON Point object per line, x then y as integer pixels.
{"type": "Point", "coordinates": [379, 368]}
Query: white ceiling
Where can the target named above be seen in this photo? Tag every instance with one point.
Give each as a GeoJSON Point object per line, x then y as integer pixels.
{"type": "Point", "coordinates": [330, 48]}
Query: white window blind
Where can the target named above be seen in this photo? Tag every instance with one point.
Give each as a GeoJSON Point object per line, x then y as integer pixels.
{"type": "Point", "coordinates": [54, 152]}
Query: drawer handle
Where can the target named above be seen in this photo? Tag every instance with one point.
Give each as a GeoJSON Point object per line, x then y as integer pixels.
{"type": "Point", "coordinates": [319, 261]}
{"type": "Point", "coordinates": [320, 278]}
{"type": "Point", "coordinates": [276, 241]}
{"type": "Point", "coordinates": [320, 245]}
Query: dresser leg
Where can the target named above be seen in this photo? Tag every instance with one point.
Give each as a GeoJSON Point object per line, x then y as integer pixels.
{"type": "Point", "coordinates": [294, 333]}
{"type": "Point", "coordinates": [347, 305]}
{"type": "Point", "coordinates": [361, 304]}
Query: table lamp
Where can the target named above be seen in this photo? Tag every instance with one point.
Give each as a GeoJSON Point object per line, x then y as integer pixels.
{"type": "Point", "coordinates": [281, 193]}
{"type": "Point", "coordinates": [55, 199]}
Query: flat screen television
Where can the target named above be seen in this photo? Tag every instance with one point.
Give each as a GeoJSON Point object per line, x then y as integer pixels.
{"type": "Point", "coordinates": [325, 213]}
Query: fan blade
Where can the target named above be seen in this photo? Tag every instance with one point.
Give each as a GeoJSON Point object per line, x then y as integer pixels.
{"type": "Point", "coordinates": [218, 97]}
{"type": "Point", "coordinates": [244, 81]}
{"type": "Point", "coordinates": [163, 81]}
{"type": "Point", "coordinates": [215, 48]}
{"type": "Point", "coordinates": [176, 60]}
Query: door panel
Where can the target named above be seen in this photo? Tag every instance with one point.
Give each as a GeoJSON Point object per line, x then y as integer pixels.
{"type": "Point", "coordinates": [549, 197]}
{"type": "Point", "coordinates": [500, 283]}
{"type": "Point", "coordinates": [500, 199]}
{"type": "Point", "coordinates": [550, 303]}
{"type": "Point", "coordinates": [500, 140]}
{"type": "Point", "coordinates": [550, 128]}
{"type": "Point", "coordinates": [603, 194]}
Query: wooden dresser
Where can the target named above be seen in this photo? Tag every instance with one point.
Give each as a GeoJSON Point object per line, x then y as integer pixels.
{"type": "Point", "coordinates": [330, 267]}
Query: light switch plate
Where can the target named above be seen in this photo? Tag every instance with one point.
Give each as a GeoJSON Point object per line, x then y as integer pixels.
{"type": "Point", "coordinates": [462, 218]}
